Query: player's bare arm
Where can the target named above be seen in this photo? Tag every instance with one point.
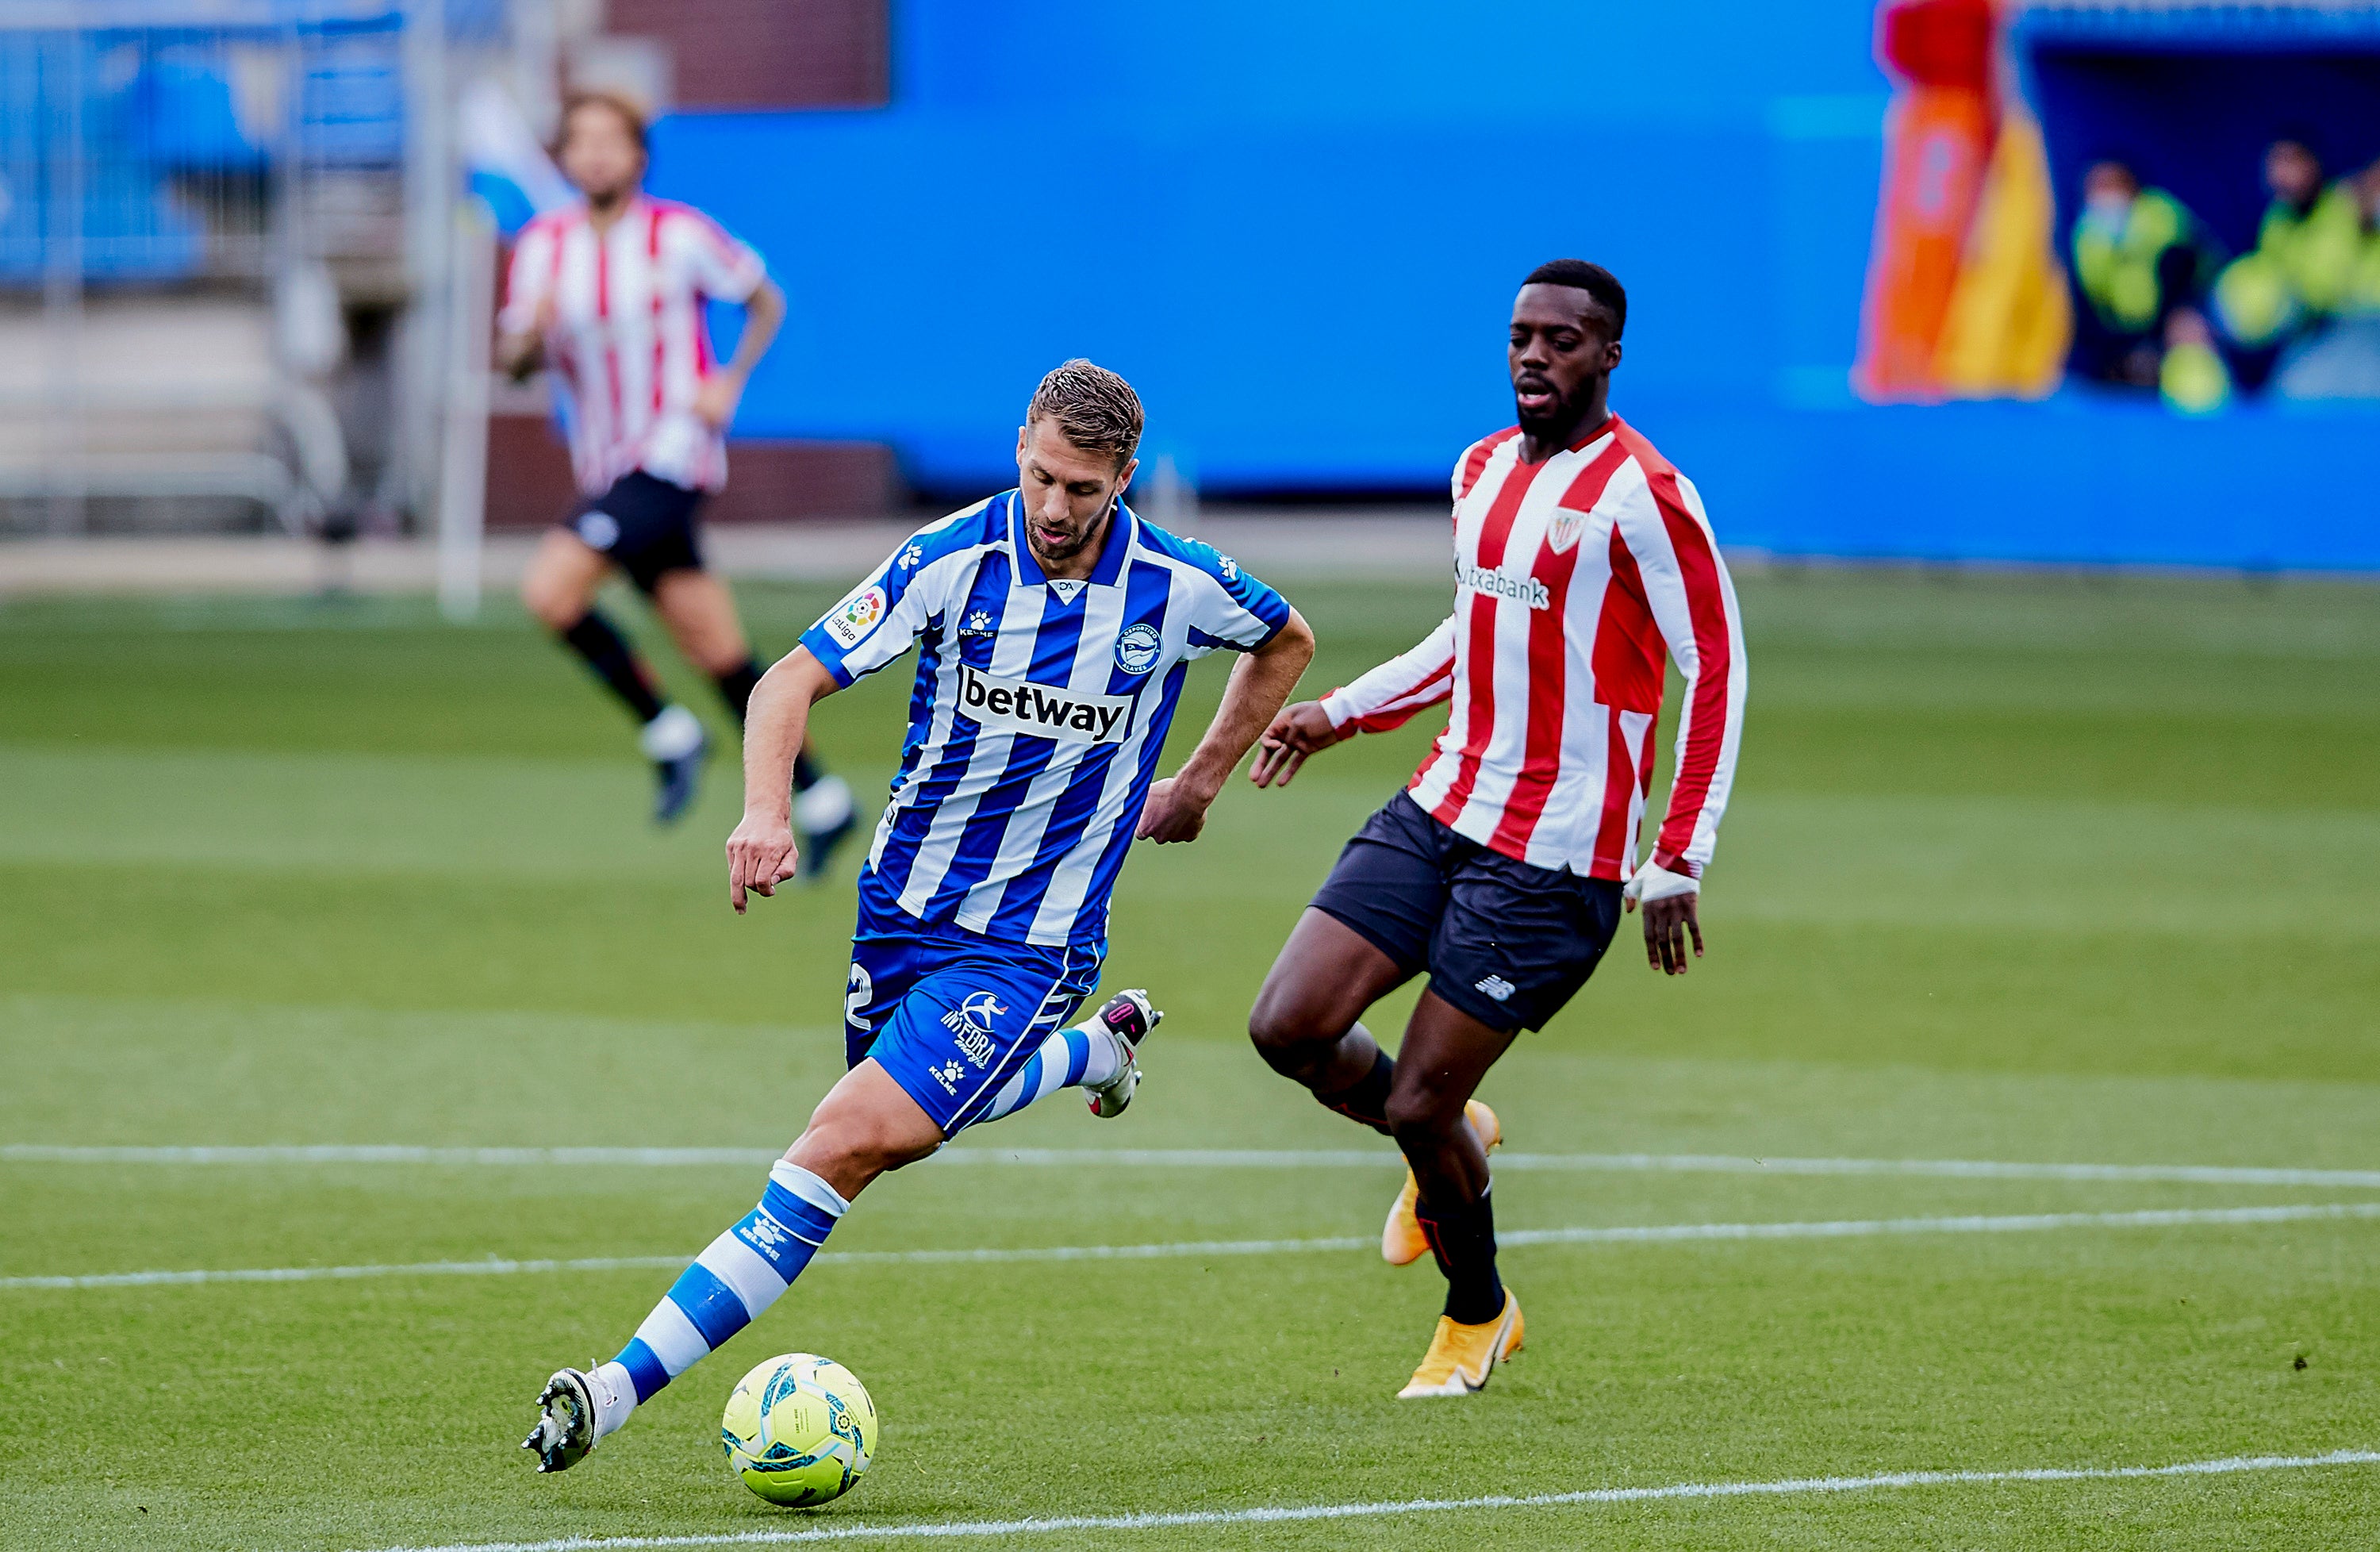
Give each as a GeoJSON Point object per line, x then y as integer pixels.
{"type": "Point", "coordinates": [761, 854]}
{"type": "Point", "coordinates": [1177, 806]}
{"type": "Point", "coordinates": [764, 314]}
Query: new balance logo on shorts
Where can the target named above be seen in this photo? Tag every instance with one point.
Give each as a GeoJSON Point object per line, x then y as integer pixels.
{"type": "Point", "coordinates": [1496, 986]}
{"type": "Point", "coordinates": [1041, 710]}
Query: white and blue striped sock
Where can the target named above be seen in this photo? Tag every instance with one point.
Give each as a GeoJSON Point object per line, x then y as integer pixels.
{"type": "Point", "coordinates": [742, 1273]}
{"type": "Point", "coordinates": [1078, 1054]}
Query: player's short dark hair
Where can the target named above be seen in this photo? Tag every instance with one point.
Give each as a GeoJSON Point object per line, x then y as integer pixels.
{"type": "Point", "coordinates": [1592, 279]}
{"type": "Point", "coordinates": [627, 109]}
{"type": "Point", "coordinates": [1095, 410]}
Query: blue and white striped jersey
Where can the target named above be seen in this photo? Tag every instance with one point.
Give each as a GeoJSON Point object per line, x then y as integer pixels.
{"type": "Point", "coordinates": [1039, 712]}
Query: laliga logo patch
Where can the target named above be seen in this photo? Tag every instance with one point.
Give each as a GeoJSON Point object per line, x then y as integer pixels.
{"type": "Point", "coordinates": [1136, 649]}
{"type": "Point", "coordinates": [850, 623]}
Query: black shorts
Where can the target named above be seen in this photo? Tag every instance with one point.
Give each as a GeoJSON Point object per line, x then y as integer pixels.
{"type": "Point", "coordinates": [1503, 941]}
{"type": "Point", "coordinates": [642, 525]}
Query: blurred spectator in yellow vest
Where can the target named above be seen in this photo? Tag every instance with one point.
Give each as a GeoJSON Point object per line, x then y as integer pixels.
{"type": "Point", "coordinates": [2338, 358]}
{"type": "Point", "coordinates": [2362, 298]}
{"type": "Point", "coordinates": [2192, 378]}
{"type": "Point", "coordinates": [2139, 256]}
{"type": "Point", "coordinates": [2305, 258]}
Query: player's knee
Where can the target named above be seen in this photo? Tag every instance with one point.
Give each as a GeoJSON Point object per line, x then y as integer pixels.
{"type": "Point", "coordinates": [1420, 1109]}
{"type": "Point", "coordinates": [845, 1159]}
{"type": "Point", "coordinates": [553, 605]}
{"type": "Point", "coordinates": [853, 1142]}
{"type": "Point", "coordinates": [1288, 1036]}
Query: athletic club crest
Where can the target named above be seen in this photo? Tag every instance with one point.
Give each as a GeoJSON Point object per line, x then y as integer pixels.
{"type": "Point", "coordinates": [1565, 529]}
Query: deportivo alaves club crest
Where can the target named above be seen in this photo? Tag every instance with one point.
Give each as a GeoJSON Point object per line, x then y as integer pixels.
{"type": "Point", "coordinates": [1136, 649]}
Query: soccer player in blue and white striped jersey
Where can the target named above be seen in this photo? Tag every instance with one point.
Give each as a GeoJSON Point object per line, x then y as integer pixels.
{"type": "Point", "coordinates": [1054, 628]}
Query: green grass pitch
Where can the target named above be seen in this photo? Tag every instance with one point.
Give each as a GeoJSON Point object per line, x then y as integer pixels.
{"type": "Point", "coordinates": [2021, 869]}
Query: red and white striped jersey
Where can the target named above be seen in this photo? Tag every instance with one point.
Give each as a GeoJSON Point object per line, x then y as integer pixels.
{"type": "Point", "coordinates": [628, 341]}
{"type": "Point", "coordinates": [1572, 578]}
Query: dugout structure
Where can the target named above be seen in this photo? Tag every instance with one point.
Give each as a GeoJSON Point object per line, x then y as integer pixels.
{"type": "Point", "coordinates": [2190, 96]}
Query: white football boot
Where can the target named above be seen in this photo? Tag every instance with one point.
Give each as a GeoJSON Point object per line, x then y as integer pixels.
{"type": "Point", "coordinates": [1129, 1018]}
{"type": "Point", "coordinates": [566, 1423]}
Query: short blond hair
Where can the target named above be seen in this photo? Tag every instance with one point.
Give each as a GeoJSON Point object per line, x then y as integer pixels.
{"type": "Point", "coordinates": [1095, 410]}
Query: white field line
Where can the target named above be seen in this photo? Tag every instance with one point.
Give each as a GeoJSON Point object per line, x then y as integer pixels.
{"type": "Point", "coordinates": [1658, 1233]}
{"type": "Point", "coordinates": [1784, 1488]}
{"type": "Point", "coordinates": [1222, 1158]}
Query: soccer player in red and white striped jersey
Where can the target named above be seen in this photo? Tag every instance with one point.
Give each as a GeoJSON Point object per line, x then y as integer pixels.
{"type": "Point", "coordinates": [609, 295]}
{"type": "Point", "coordinates": [1581, 559]}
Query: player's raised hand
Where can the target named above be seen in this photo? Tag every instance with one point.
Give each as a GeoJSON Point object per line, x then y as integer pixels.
{"type": "Point", "coordinates": [761, 855]}
{"type": "Point", "coordinates": [1299, 731]}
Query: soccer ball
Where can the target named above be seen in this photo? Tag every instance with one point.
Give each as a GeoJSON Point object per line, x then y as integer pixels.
{"type": "Point", "coordinates": [799, 1430]}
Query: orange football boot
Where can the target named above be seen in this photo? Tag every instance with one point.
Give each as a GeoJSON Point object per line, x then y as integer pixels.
{"type": "Point", "coordinates": [1463, 1358]}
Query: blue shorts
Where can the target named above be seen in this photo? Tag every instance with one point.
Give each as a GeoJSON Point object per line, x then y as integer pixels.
{"type": "Point", "coordinates": [953, 1016]}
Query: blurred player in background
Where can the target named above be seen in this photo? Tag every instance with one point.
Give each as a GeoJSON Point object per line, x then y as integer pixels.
{"type": "Point", "coordinates": [1054, 628]}
{"type": "Point", "coordinates": [1502, 868]}
{"type": "Point", "coordinates": [608, 295]}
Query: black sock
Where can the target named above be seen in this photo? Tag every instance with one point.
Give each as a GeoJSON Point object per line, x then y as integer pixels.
{"type": "Point", "coordinates": [1462, 1237]}
{"type": "Point", "coordinates": [806, 770]}
{"type": "Point", "coordinates": [1366, 1100]}
{"type": "Point", "coordinates": [614, 662]}
{"type": "Point", "coordinates": [736, 684]}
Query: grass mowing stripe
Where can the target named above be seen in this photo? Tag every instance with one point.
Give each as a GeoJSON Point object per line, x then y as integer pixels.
{"type": "Point", "coordinates": [1259, 1159]}
{"type": "Point", "coordinates": [1657, 1233]}
{"type": "Point", "coordinates": [380, 1153]}
{"type": "Point", "coordinates": [492, 1267]}
{"type": "Point", "coordinates": [1783, 1487]}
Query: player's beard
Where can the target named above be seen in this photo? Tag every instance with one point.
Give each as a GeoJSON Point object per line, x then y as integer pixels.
{"type": "Point", "coordinates": [1066, 553]}
{"type": "Point", "coordinates": [611, 201]}
{"type": "Point", "coordinates": [1557, 423]}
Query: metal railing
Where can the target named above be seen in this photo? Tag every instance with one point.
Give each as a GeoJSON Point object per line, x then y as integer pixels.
{"type": "Point", "coordinates": [197, 197]}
